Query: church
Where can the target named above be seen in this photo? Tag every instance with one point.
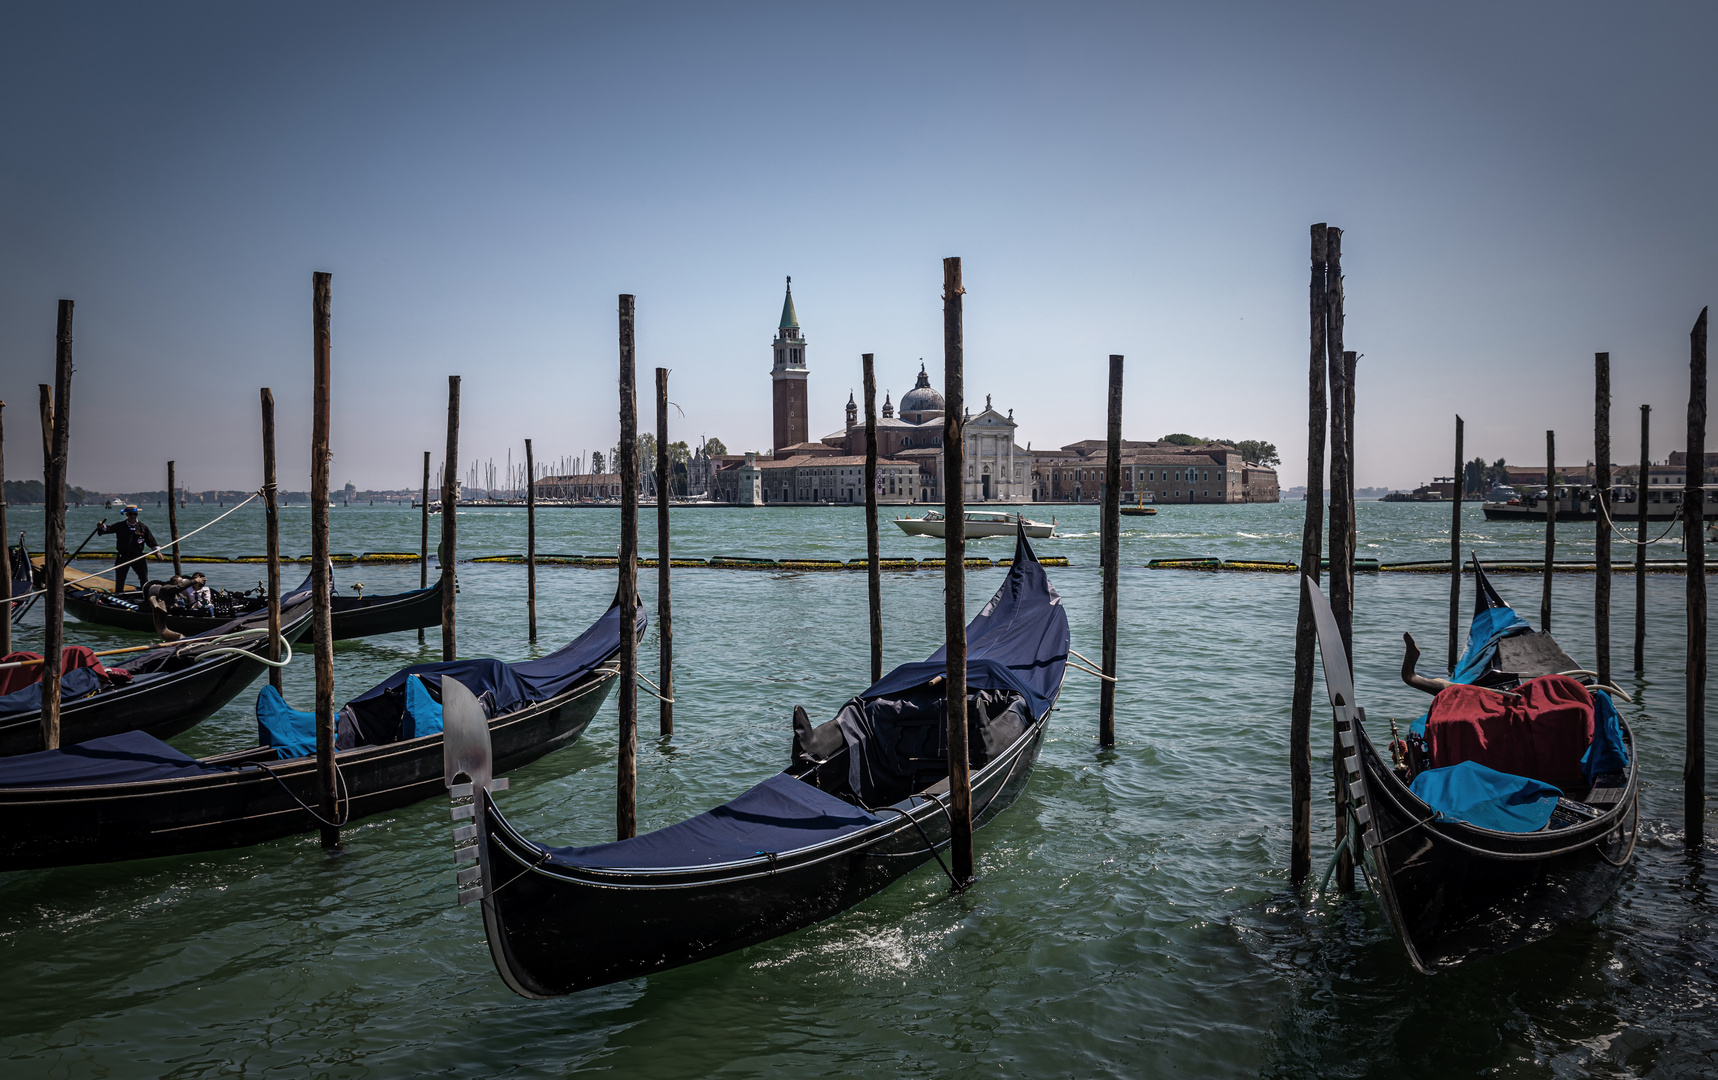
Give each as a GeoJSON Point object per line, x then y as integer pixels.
{"type": "Point", "coordinates": [909, 445]}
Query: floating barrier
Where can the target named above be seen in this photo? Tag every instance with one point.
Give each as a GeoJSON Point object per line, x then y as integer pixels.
{"type": "Point", "coordinates": [1185, 564]}
{"type": "Point", "coordinates": [1260, 566]}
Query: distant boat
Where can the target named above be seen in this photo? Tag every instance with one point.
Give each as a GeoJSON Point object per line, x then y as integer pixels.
{"type": "Point", "coordinates": [979, 523]}
{"type": "Point", "coordinates": [1139, 509]}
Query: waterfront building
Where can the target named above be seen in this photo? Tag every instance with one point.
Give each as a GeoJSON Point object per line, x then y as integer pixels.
{"type": "Point", "coordinates": [582, 487]}
{"type": "Point", "coordinates": [1170, 473]}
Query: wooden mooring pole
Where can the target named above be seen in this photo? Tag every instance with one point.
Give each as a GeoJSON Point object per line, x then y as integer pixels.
{"type": "Point", "coordinates": [626, 766]}
{"type": "Point", "coordinates": [530, 544]}
{"type": "Point", "coordinates": [954, 572]}
{"type": "Point", "coordinates": [271, 520]}
{"type": "Point", "coordinates": [173, 520]}
{"type": "Point", "coordinates": [321, 570]}
{"type": "Point", "coordinates": [448, 552]}
{"type": "Point", "coordinates": [873, 566]}
{"type": "Point", "coordinates": [1694, 538]}
{"type": "Point", "coordinates": [1640, 488]}
{"type": "Point", "coordinates": [6, 549]}
{"type": "Point", "coordinates": [1311, 550]}
{"type": "Point", "coordinates": [1602, 503]}
{"type": "Point", "coordinates": [1341, 513]}
{"type": "Point", "coordinates": [58, 435]}
{"type": "Point", "coordinates": [1550, 529]}
{"type": "Point", "coordinates": [1110, 556]}
{"type": "Point", "coordinates": [1455, 550]}
{"type": "Point", "coordinates": [664, 597]}
{"type": "Point", "coordinates": [423, 540]}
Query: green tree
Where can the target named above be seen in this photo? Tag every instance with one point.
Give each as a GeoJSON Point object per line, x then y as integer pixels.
{"type": "Point", "coordinates": [1473, 477]}
{"type": "Point", "coordinates": [1258, 451]}
{"type": "Point", "coordinates": [596, 462]}
{"type": "Point", "coordinates": [714, 447]}
{"type": "Point", "coordinates": [1182, 439]}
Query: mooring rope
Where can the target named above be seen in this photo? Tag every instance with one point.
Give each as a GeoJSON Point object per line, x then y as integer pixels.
{"type": "Point", "coordinates": [163, 547]}
{"type": "Point", "coordinates": [344, 796]}
{"type": "Point", "coordinates": [1092, 669]}
{"type": "Point", "coordinates": [1606, 513]}
{"type": "Point", "coordinates": [655, 691]}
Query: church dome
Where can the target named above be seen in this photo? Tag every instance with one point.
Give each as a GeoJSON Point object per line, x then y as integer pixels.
{"type": "Point", "coordinates": [921, 402]}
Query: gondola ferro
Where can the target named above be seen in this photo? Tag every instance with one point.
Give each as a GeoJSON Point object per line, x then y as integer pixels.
{"type": "Point", "coordinates": [864, 801]}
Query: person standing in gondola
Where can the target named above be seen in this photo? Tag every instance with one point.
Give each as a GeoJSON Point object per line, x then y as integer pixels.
{"type": "Point", "coordinates": [131, 539]}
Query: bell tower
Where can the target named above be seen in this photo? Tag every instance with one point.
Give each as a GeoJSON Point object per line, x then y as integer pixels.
{"type": "Point", "coordinates": [787, 376]}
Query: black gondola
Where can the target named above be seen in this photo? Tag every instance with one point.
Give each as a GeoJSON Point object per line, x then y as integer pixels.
{"type": "Point", "coordinates": [354, 616]}
{"type": "Point", "coordinates": [170, 689]}
{"type": "Point", "coordinates": [864, 802]}
{"type": "Point", "coordinates": [134, 797]}
{"type": "Point", "coordinates": [1452, 890]}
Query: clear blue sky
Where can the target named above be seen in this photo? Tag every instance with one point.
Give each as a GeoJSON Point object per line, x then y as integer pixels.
{"type": "Point", "coordinates": [1521, 185]}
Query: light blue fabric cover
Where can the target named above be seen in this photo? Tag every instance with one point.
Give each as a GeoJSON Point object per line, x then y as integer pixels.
{"type": "Point", "coordinates": [423, 713]}
{"type": "Point", "coordinates": [290, 732]}
{"type": "Point", "coordinates": [1607, 753]}
{"type": "Point", "coordinates": [1487, 798]}
{"type": "Point", "coordinates": [1487, 629]}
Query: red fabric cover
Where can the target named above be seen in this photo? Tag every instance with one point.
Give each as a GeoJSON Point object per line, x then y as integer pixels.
{"type": "Point", "coordinates": [13, 679]}
{"type": "Point", "coordinates": [72, 657]}
{"type": "Point", "coordinates": [1541, 734]}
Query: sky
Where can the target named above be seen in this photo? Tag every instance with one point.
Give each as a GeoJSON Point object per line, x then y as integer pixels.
{"type": "Point", "coordinates": [1520, 185]}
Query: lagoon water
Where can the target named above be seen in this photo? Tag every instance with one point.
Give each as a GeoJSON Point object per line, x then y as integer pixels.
{"type": "Point", "coordinates": [1132, 916]}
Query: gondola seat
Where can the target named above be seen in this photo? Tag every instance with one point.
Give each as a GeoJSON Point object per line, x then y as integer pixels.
{"type": "Point", "coordinates": [1543, 733]}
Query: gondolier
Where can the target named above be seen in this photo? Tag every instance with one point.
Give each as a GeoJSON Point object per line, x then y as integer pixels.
{"type": "Point", "coordinates": [131, 539]}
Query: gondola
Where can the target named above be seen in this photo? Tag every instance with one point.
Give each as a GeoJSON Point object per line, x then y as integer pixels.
{"type": "Point", "coordinates": [864, 801]}
{"type": "Point", "coordinates": [161, 692]}
{"type": "Point", "coordinates": [1505, 857]}
{"type": "Point", "coordinates": [354, 616]}
{"type": "Point", "coordinates": [132, 796]}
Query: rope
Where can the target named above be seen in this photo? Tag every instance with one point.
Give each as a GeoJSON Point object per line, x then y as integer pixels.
{"type": "Point", "coordinates": [340, 778]}
{"type": "Point", "coordinates": [1344, 844]}
{"type": "Point", "coordinates": [932, 848]}
{"type": "Point", "coordinates": [655, 691]}
{"type": "Point", "coordinates": [1091, 668]}
{"type": "Point", "coordinates": [159, 549]}
{"type": "Point", "coordinates": [258, 657]}
{"type": "Point", "coordinates": [1604, 511]}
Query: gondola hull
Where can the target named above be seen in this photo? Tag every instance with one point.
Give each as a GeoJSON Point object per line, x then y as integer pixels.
{"type": "Point", "coordinates": [163, 706]}
{"type": "Point", "coordinates": [1455, 893]}
{"type": "Point", "coordinates": [539, 922]}
{"type": "Point", "coordinates": [354, 616]}
{"type": "Point", "coordinates": [63, 826]}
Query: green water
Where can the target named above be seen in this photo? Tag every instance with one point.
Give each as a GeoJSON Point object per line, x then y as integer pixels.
{"type": "Point", "coordinates": [1132, 916]}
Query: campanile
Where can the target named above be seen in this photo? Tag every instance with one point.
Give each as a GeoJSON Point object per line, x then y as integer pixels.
{"type": "Point", "coordinates": [787, 377]}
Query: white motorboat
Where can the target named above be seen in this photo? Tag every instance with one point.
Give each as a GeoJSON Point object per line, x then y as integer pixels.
{"type": "Point", "coordinates": [978, 523]}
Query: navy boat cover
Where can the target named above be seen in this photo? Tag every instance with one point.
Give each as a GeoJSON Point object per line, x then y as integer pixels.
{"type": "Point", "coordinates": [80, 682]}
{"type": "Point", "coordinates": [781, 814]}
{"type": "Point", "coordinates": [118, 759]}
{"type": "Point", "coordinates": [1018, 642]}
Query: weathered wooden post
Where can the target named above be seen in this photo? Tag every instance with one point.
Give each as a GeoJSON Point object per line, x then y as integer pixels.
{"type": "Point", "coordinates": [449, 550]}
{"type": "Point", "coordinates": [423, 541]}
{"type": "Point", "coordinates": [1602, 503]}
{"type": "Point", "coordinates": [6, 549]}
{"type": "Point", "coordinates": [1455, 549]}
{"type": "Point", "coordinates": [1341, 513]}
{"type": "Point", "coordinates": [1311, 550]}
{"type": "Point", "coordinates": [321, 576]}
{"type": "Point", "coordinates": [530, 544]}
{"type": "Point", "coordinates": [173, 520]}
{"type": "Point", "coordinates": [1110, 556]}
{"type": "Point", "coordinates": [1640, 483]}
{"type": "Point", "coordinates": [1550, 529]}
{"type": "Point", "coordinates": [664, 605]}
{"type": "Point", "coordinates": [626, 768]}
{"type": "Point", "coordinates": [954, 572]}
{"type": "Point", "coordinates": [1694, 538]}
{"type": "Point", "coordinates": [271, 515]}
{"type": "Point", "coordinates": [54, 555]}
{"type": "Point", "coordinates": [873, 567]}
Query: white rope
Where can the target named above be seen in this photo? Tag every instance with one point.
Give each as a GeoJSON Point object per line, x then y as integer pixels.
{"type": "Point", "coordinates": [1091, 669]}
{"type": "Point", "coordinates": [145, 555]}
{"type": "Point", "coordinates": [260, 658]}
{"type": "Point", "coordinates": [655, 691]}
{"type": "Point", "coordinates": [1605, 512]}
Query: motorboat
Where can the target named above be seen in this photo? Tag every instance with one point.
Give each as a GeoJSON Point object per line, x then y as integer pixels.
{"type": "Point", "coordinates": [979, 523]}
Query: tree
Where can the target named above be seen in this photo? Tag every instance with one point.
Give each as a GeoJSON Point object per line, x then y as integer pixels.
{"type": "Point", "coordinates": [1182, 439]}
{"type": "Point", "coordinates": [1258, 451]}
{"type": "Point", "coordinates": [1498, 473]}
{"type": "Point", "coordinates": [596, 462]}
{"type": "Point", "coordinates": [1473, 477]}
{"type": "Point", "coordinates": [714, 447]}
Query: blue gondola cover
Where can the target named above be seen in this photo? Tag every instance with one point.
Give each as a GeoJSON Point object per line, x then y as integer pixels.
{"type": "Point", "coordinates": [1482, 796]}
{"type": "Point", "coordinates": [118, 759]}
